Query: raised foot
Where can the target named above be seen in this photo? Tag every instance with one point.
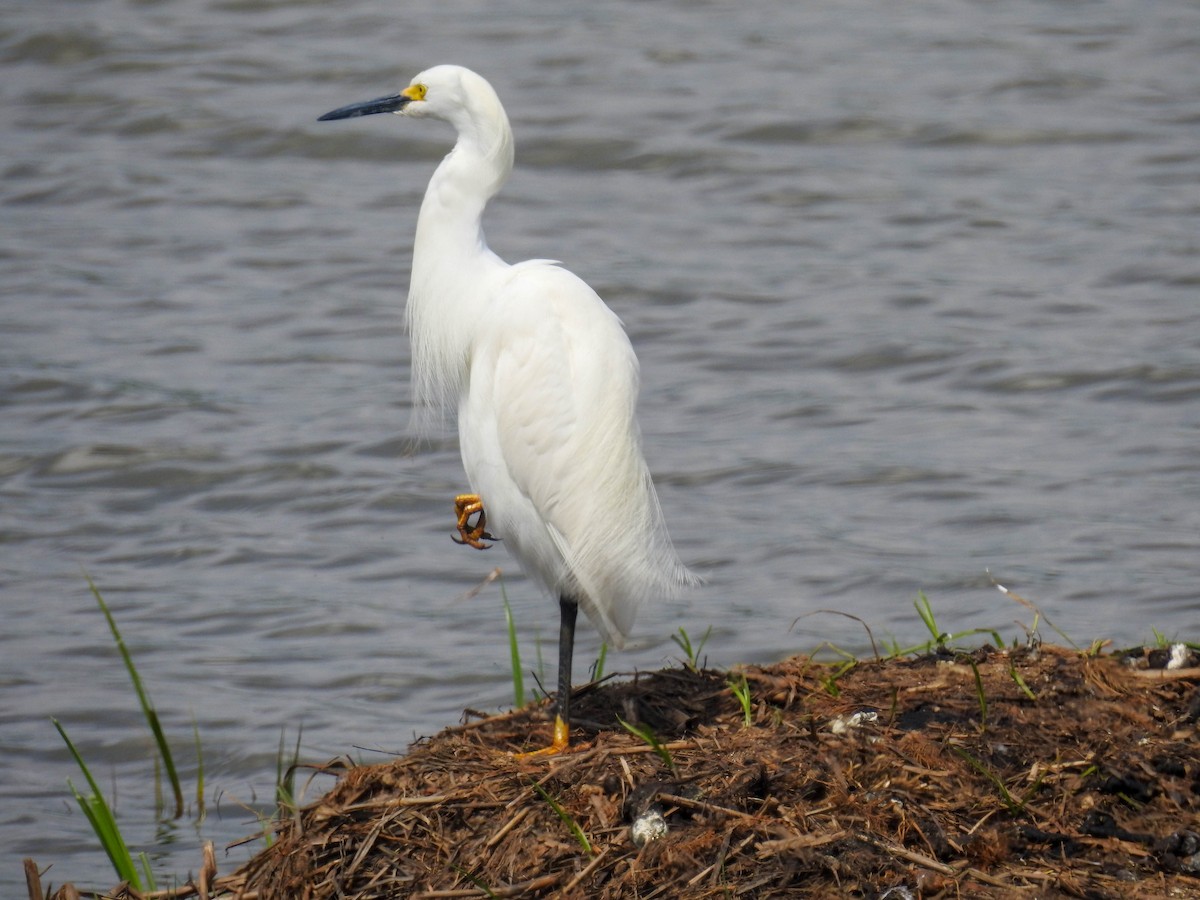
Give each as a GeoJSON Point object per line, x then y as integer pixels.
{"type": "Point", "coordinates": [473, 535]}
{"type": "Point", "coordinates": [560, 744]}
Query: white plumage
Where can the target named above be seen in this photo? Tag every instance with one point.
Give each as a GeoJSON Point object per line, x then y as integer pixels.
{"type": "Point", "coordinates": [543, 377]}
{"type": "Point", "coordinates": [549, 442]}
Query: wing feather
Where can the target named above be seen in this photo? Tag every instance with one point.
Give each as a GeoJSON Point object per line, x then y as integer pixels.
{"type": "Point", "coordinates": [557, 453]}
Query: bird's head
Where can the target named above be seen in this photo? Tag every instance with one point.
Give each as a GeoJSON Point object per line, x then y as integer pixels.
{"type": "Point", "coordinates": [452, 93]}
{"type": "Point", "coordinates": [465, 100]}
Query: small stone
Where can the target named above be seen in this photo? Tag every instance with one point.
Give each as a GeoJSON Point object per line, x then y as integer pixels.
{"type": "Point", "coordinates": [647, 827]}
{"type": "Point", "coordinates": [844, 724]}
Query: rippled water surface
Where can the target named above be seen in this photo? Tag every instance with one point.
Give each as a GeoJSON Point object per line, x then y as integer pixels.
{"type": "Point", "coordinates": [916, 291]}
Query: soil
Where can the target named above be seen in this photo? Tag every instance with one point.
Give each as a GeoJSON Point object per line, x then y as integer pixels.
{"type": "Point", "coordinates": [1030, 772]}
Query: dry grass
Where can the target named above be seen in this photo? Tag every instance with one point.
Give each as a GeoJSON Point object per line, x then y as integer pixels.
{"type": "Point", "coordinates": [1091, 788]}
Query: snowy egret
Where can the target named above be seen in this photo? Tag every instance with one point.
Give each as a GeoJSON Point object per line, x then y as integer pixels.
{"type": "Point", "coordinates": [545, 382]}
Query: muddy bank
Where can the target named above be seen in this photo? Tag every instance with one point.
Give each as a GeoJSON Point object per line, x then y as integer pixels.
{"type": "Point", "coordinates": [1038, 771]}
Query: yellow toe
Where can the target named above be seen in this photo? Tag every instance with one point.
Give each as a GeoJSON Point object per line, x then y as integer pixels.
{"type": "Point", "coordinates": [560, 744]}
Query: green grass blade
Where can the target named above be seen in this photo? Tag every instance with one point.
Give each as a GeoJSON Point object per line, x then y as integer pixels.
{"type": "Point", "coordinates": [691, 654]}
{"type": "Point", "coordinates": [684, 643]}
{"type": "Point", "coordinates": [285, 774]}
{"type": "Point", "coordinates": [201, 811]}
{"type": "Point", "coordinates": [945, 640]}
{"type": "Point", "coordinates": [925, 611]}
{"type": "Point", "coordinates": [1016, 676]}
{"type": "Point", "coordinates": [830, 681]}
{"type": "Point", "coordinates": [77, 757]}
{"type": "Point", "coordinates": [567, 819]}
{"type": "Point", "coordinates": [475, 880]}
{"type": "Point", "coordinates": [100, 816]}
{"type": "Point", "coordinates": [514, 653]}
{"type": "Point", "coordinates": [1014, 805]}
{"type": "Point", "coordinates": [104, 826]}
{"type": "Point", "coordinates": [741, 690]}
{"type": "Point", "coordinates": [148, 710]}
{"type": "Point", "coordinates": [159, 805]}
{"type": "Point", "coordinates": [148, 871]}
{"type": "Point", "coordinates": [644, 732]}
{"type": "Point", "coordinates": [598, 668]}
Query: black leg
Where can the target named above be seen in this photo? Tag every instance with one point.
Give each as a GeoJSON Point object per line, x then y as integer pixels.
{"type": "Point", "coordinates": [568, 609]}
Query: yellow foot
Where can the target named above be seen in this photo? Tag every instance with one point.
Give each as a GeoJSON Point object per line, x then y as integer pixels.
{"type": "Point", "coordinates": [466, 506]}
{"type": "Point", "coordinates": [560, 744]}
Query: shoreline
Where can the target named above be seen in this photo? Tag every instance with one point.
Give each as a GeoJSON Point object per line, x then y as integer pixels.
{"type": "Point", "coordinates": [1026, 771]}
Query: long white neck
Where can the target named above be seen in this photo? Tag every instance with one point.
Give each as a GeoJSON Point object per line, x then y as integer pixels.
{"type": "Point", "coordinates": [451, 259]}
{"type": "Point", "coordinates": [449, 224]}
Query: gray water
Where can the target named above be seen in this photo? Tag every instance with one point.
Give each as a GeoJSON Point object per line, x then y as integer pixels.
{"type": "Point", "coordinates": [915, 287]}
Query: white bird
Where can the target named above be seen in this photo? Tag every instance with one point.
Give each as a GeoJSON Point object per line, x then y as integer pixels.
{"type": "Point", "coordinates": [545, 383]}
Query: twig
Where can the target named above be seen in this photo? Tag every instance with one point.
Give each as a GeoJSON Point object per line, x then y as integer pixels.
{"type": "Point", "coordinates": [585, 872]}
{"type": "Point", "coordinates": [1167, 674]}
{"type": "Point", "coordinates": [676, 800]}
{"type": "Point", "coordinates": [208, 871]}
{"type": "Point", "coordinates": [930, 863]}
{"type": "Point", "coordinates": [220, 887]}
{"type": "Point", "coordinates": [33, 880]}
{"type": "Point", "coordinates": [430, 800]}
{"type": "Point", "coordinates": [512, 890]}
{"type": "Point", "coordinates": [798, 842]}
{"type": "Point", "coordinates": [911, 855]}
{"type": "Point", "coordinates": [839, 612]}
{"type": "Point", "coordinates": [508, 826]}
{"type": "Point", "coordinates": [715, 868]}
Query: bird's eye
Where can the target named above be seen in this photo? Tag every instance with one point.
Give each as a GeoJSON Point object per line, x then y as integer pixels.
{"type": "Point", "coordinates": [416, 92]}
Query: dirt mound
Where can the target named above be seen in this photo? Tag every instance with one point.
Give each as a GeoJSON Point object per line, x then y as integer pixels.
{"type": "Point", "coordinates": [1037, 772]}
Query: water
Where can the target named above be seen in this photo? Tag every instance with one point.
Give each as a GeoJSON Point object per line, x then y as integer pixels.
{"type": "Point", "coordinates": [915, 292]}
